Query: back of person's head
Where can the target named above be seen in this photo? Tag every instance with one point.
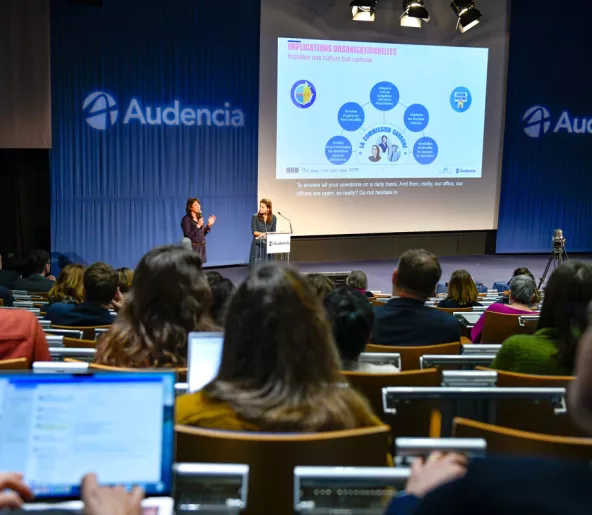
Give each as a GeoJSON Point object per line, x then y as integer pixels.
{"type": "Point", "coordinates": [125, 277]}
{"type": "Point", "coordinates": [100, 283]}
{"type": "Point", "coordinates": [213, 276]}
{"type": "Point", "coordinates": [222, 290]}
{"type": "Point", "coordinates": [39, 260]}
{"type": "Point", "coordinates": [417, 274]}
{"type": "Point", "coordinates": [320, 284]}
{"type": "Point", "coordinates": [523, 290]}
{"type": "Point", "coordinates": [280, 367]}
{"type": "Point", "coordinates": [170, 298]}
{"type": "Point", "coordinates": [567, 295]}
{"type": "Point", "coordinates": [186, 243]}
{"type": "Point", "coordinates": [69, 286]}
{"type": "Point", "coordinates": [462, 288]}
{"type": "Point", "coordinates": [352, 319]}
{"type": "Point", "coordinates": [357, 279]}
{"type": "Point", "coordinates": [523, 271]}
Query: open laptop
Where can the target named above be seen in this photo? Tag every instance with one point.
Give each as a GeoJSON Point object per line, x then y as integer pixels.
{"type": "Point", "coordinates": [55, 428]}
{"type": "Point", "coordinates": [204, 357]}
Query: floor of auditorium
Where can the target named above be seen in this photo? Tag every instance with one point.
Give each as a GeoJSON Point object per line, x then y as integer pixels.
{"type": "Point", "coordinates": [485, 269]}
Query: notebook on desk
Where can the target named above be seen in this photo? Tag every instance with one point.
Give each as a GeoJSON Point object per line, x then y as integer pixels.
{"type": "Point", "coordinates": [55, 428]}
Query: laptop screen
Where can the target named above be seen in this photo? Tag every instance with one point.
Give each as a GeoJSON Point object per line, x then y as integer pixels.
{"type": "Point", "coordinates": [55, 428]}
{"type": "Point", "coordinates": [205, 354]}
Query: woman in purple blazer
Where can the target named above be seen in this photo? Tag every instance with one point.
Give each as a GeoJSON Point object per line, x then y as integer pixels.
{"type": "Point", "coordinates": [194, 228]}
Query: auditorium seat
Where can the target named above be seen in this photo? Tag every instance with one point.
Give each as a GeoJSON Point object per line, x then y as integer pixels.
{"type": "Point", "coordinates": [88, 333]}
{"type": "Point", "coordinates": [510, 442]}
{"type": "Point", "coordinates": [271, 457]}
{"type": "Point", "coordinates": [407, 422]}
{"type": "Point", "coordinates": [410, 355]}
{"type": "Point", "coordinates": [181, 372]}
{"type": "Point", "coordinates": [454, 310]}
{"type": "Point", "coordinates": [76, 343]}
{"type": "Point", "coordinates": [500, 326]}
{"type": "Point", "coordinates": [14, 364]}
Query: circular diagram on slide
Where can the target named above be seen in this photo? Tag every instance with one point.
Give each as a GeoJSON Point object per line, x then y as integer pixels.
{"type": "Point", "coordinates": [401, 134]}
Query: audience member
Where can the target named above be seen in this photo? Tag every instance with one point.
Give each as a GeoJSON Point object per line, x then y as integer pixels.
{"type": "Point", "coordinates": [22, 336]}
{"type": "Point", "coordinates": [279, 370]}
{"type": "Point", "coordinates": [462, 291]}
{"type": "Point", "coordinates": [6, 297]}
{"type": "Point", "coordinates": [126, 278]}
{"type": "Point", "coordinates": [320, 284]}
{"type": "Point", "coordinates": [552, 349]}
{"type": "Point", "coordinates": [169, 298]}
{"type": "Point", "coordinates": [505, 299]}
{"type": "Point", "coordinates": [352, 319]}
{"type": "Point", "coordinates": [358, 280]}
{"type": "Point", "coordinates": [404, 320]}
{"type": "Point", "coordinates": [523, 294]}
{"type": "Point", "coordinates": [7, 277]}
{"type": "Point", "coordinates": [100, 290]}
{"type": "Point", "coordinates": [66, 293]}
{"type": "Point", "coordinates": [222, 290]}
{"type": "Point", "coordinates": [40, 280]}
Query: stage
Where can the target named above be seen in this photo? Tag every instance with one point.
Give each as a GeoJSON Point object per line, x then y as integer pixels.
{"type": "Point", "coordinates": [486, 269]}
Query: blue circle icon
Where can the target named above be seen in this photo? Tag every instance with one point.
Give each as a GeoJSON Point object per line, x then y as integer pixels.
{"type": "Point", "coordinates": [100, 110]}
{"type": "Point", "coordinates": [338, 150]}
{"type": "Point", "coordinates": [384, 96]}
{"type": "Point", "coordinates": [425, 151]}
{"type": "Point", "coordinates": [416, 118]}
{"type": "Point", "coordinates": [303, 94]}
{"type": "Point", "coordinates": [351, 116]}
{"type": "Point", "coordinates": [461, 99]}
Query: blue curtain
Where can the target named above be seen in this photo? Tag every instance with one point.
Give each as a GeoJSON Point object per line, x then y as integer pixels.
{"type": "Point", "coordinates": [120, 189]}
{"type": "Point", "coordinates": [546, 177]}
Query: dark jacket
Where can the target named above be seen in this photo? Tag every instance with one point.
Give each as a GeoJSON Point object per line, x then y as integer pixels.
{"type": "Point", "coordinates": [407, 322]}
{"type": "Point", "coordinates": [57, 310]}
{"type": "Point", "coordinates": [451, 304]}
{"type": "Point", "coordinates": [6, 296]}
{"type": "Point", "coordinates": [87, 314]}
{"type": "Point", "coordinates": [34, 283]}
{"type": "Point", "coordinates": [7, 278]}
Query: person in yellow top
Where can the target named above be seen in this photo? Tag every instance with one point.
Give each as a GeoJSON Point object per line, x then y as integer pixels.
{"type": "Point", "coordinates": [279, 370]}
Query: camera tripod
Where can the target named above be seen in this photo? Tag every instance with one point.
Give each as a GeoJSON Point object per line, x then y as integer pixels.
{"type": "Point", "coordinates": [558, 256]}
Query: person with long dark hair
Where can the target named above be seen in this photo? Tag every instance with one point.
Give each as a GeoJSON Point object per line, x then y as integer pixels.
{"type": "Point", "coordinates": [170, 298]}
{"type": "Point", "coordinates": [552, 349]}
{"type": "Point", "coordinates": [279, 370]}
{"type": "Point", "coordinates": [262, 223]}
{"type": "Point", "coordinates": [194, 227]}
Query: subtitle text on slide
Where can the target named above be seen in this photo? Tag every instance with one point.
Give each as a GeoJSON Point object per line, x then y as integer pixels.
{"type": "Point", "coordinates": [323, 189]}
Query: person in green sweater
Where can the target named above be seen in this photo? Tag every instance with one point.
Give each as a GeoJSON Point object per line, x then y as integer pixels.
{"type": "Point", "coordinates": [551, 350]}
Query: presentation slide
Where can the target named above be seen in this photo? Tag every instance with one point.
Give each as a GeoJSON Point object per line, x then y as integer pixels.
{"type": "Point", "coordinates": [350, 110]}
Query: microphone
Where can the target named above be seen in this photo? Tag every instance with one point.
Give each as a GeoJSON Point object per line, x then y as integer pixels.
{"type": "Point", "coordinates": [291, 231]}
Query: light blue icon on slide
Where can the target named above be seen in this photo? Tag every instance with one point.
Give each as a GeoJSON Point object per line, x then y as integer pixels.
{"type": "Point", "coordinates": [338, 150]}
{"type": "Point", "coordinates": [351, 116]}
{"type": "Point", "coordinates": [425, 151]}
{"type": "Point", "coordinates": [416, 118]}
{"type": "Point", "coordinates": [384, 96]}
{"type": "Point", "coordinates": [461, 99]}
{"type": "Point", "coordinates": [303, 94]}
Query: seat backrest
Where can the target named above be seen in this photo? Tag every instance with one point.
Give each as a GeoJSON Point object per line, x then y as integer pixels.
{"type": "Point", "coordinates": [75, 343]}
{"type": "Point", "coordinates": [528, 416]}
{"type": "Point", "coordinates": [88, 333]}
{"type": "Point", "coordinates": [410, 355]}
{"type": "Point", "coordinates": [272, 457]}
{"type": "Point", "coordinates": [500, 326]}
{"type": "Point", "coordinates": [454, 310]}
{"type": "Point", "coordinates": [406, 422]}
{"type": "Point", "coordinates": [504, 441]}
{"type": "Point", "coordinates": [181, 372]}
{"type": "Point", "coordinates": [14, 364]}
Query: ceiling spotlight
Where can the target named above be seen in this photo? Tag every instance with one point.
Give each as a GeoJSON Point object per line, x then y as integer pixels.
{"type": "Point", "coordinates": [363, 10]}
{"type": "Point", "coordinates": [414, 13]}
{"type": "Point", "coordinates": [468, 15]}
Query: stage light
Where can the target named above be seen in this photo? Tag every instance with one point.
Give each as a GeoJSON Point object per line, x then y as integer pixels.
{"type": "Point", "coordinates": [363, 10]}
{"type": "Point", "coordinates": [414, 13]}
{"type": "Point", "coordinates": [468, 15]}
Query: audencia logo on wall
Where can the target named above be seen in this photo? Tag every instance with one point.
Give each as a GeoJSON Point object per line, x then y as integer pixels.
{"type": "Point", "coordinates": [101, 112]}
{"type": "Point", "coordinates": [303, 94]}
{"type": "Point", "coordinates": [537, 121]}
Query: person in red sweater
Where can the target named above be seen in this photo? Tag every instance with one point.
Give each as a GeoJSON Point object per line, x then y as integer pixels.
{"type": "Point", "coordinates": [21, 336]}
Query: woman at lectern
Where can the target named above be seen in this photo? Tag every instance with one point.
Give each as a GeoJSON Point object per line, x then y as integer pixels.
{"type": "Point", "coordinates": [262, 223]}
{"type": "Point", "coordinates": [194, 228]}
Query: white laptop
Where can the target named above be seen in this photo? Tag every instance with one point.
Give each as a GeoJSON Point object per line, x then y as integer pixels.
{"type": "Point", "coordinates": [204, 357]}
